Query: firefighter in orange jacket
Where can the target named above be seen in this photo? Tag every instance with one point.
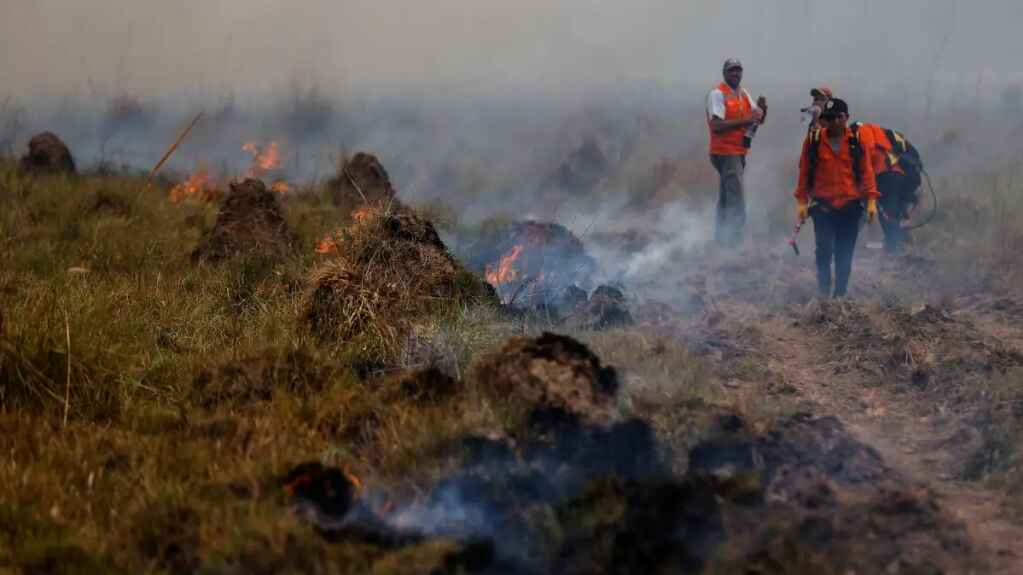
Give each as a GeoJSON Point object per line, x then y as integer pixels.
{"type": "Point", "coordinates": [836, 184]}
{"type": "Point", "coordinates": [896, 165]}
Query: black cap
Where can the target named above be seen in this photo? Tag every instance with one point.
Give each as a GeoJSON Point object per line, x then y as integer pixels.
{"type": "Point", "coordinates": [834, 107]}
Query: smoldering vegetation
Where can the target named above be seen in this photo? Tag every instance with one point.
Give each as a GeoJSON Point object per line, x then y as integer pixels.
{"type": "Point", "coordinates": [456, 334]}
{"type": "Point", "coordinates": [623, 168]}
{"type": "Point", "coordinates": [319, 365]}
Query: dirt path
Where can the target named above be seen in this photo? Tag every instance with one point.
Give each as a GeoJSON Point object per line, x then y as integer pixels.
{"type": "Point", "coordinates": [861, 365]}
{"type": "Point", "coordinates": [920, 448]}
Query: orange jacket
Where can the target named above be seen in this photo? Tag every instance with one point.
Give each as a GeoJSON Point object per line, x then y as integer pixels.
{"type": "Point", "coordinates": [834, 178]}
{"type": "Point", "coordinates": [880, 150]}
{"type": "Point", "coordinates": [729, 142]}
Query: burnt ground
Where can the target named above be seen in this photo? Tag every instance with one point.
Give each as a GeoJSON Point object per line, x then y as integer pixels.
{"type": "Point", "coordinates": [898, 365]}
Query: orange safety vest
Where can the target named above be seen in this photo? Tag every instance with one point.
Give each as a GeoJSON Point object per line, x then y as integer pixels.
{"type": "Point", "coordinates": [729, 142]}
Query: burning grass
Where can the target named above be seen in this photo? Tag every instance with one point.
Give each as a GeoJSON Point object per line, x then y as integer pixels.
{"type": "Point", "coordinates": [528, 263]}
{"type": "Point", "coordinates": [386, 272]}
{"type": "Point", "coordinates": [199, 186]}
{"type": "Point", "coordinates": [191, 390]}
{"type": "Point", "coordinates": [159, 463]}
{"type": "Point", "coordinates": [265, 159]}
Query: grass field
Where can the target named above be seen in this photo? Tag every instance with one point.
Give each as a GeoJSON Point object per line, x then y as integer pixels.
{"type": "Point", "coordinates": [149, 404]}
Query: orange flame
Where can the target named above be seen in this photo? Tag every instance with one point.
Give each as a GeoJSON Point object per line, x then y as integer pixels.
{"type": "Point", "coordinates": [280, 186]}
{"type": "Point", "coordinates": [327, 245]}
{"type": "Point", "coordinates": [505, 271]}
{"type": "Point", "coordinates": [362, 214]}
{"type": "Point", "coordinates": [197, 186]}
{"type": "Point", "coordinates": [353, 478]}
{"type": "Point", "coordinates": [263, 159]}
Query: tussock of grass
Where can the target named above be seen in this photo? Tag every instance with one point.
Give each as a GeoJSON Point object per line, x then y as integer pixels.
{"type": "Point", "coordinates": [389, 271]}
{"type": "Point", "coordinates": [193, 386]}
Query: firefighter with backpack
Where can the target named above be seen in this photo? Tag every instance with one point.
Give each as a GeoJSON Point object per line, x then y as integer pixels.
{"type": "Point", "coordinates": [836, 185]}
{"type": "Point", "coordinates": [897, 166]}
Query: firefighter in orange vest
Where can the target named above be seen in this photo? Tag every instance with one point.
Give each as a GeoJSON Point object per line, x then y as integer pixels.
{"type": "Point", "coordinates": [896, 165]}
{"type": "Point", "coordinates": [836, 183]}
{"type": "Point", "coordinates": [733, 120]}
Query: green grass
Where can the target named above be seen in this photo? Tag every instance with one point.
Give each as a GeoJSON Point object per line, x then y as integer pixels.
{"type": "Point", "coordinates": [189, 388]}
{"type": "Point", "coordinates": [185, 385]}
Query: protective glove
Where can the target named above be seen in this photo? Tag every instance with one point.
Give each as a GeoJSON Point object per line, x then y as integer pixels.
{"type": "Point", "coordinates": [802, 211]}
{"type": "Point", "coordinates": [871, 210]}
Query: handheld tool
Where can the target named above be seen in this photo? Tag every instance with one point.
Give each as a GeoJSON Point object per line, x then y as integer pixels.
{"type": "Point", "coordinates": [795, 234]}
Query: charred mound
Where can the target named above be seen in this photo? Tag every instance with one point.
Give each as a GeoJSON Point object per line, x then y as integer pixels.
{"type": "Point", "coordinates": [802, 496]}
{"type": "Point", "coordinates": [541, 250]}
{"type": "Point", "coordinates": [361, 179]}
{"type": "Point", "coordinates": [47, 153]}
{"type": "Point", "coordinates": [605, 309]}
{"type": "Point", "coordinates": [892, 530]}
{"type": "Point", "coordinates": [249, 223]}
{"type": "Point", "coordinates": [843, 510]}
{"type": "Point", "coordinates": [582, 170]}
{"type": "Point", "coordinates": [389, 270]}
{"type": "Point", "coordinates": [793, 443]}
{"type": "Point", "coordinates": [554, 377]}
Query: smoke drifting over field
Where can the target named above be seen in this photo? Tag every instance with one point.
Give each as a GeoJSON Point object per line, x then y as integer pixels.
{"type": "Point", "coordinates": [469, 47]}
{"type": "Point", "coordinates": [584, 112]}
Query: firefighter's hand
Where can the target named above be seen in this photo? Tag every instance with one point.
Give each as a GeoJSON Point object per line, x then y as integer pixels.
{"type": "Point", "coordinates": [871, 210]}
{"type": "Point", "coordinates": [758, 115]}
{"type": "Point", "coordinates": [802, 211]}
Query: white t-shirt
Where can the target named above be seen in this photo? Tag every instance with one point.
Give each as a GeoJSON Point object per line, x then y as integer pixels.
{"type": "Point", "coordinates": [716, 103]}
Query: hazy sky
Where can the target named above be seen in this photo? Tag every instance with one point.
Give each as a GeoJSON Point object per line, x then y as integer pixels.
{"type": "Point", "coordinates": [149, 47]}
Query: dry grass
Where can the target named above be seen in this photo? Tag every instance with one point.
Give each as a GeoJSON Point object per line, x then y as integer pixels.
{"type": "Point", "coordinates": [388, 271]}
{"type": "Point", "coordinates": [192, 386]}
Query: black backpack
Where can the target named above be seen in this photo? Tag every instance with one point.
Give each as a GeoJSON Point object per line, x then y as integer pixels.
{"type": "Point", "coordinates": [905, 155]}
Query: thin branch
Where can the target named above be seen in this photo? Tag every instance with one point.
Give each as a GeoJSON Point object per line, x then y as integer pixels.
{"type": "Point", "coordinates": [351, 180]}
{"type": "Point", "coordinates": [173, 147]}
{"type": "Point", "coordinates": [67, 386]}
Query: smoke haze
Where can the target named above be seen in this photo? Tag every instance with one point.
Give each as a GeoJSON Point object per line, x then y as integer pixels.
{"type": "Point", "coordinates": [472, 47]}
{"type": "Point", "coordinates": [587, 112]}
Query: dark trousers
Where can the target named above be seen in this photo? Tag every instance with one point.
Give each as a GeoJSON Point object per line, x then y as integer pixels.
{"type": "Point", "coordinates": [896, 197]}
{"type": "Point", "coordinates": [731, 214]}
{"type": "Point", "coordinates": [835, 232]}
